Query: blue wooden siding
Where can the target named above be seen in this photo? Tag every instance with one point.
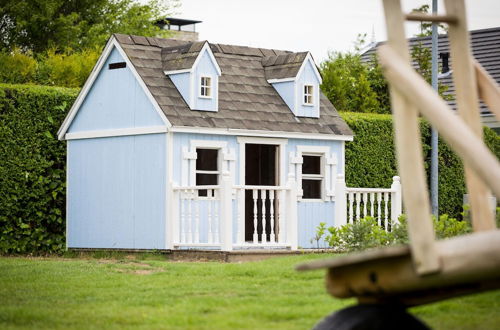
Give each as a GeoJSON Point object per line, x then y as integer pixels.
{"type": "Point", "coordinates": [205, 67]}
{"type": "Point", "coordinates": [287, 92]}
{"type": "Point", "coordinates": [115, 100]}
{"type": "Point", "coordinates": [307, 77]}
{"type": "Point", "coordinates": [181, 82]}
{"type": "Point", "coordinates": [311, 213]}
{"type": "Point", "coordinates": [116, 192]}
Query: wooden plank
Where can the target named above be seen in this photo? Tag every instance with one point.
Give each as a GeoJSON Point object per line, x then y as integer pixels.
{"type": "Point", "coordinates": [409, 155]}
{"type": "Point", "coordinates": [467, 99]}
{"type": "Point", "coordinates": [389, 272]}
{"type": "Point", "coordinates": [420, 17]}
{"type": "Point", "coordinates": [488, 90]}
{"type": "Point", "coordinates": [461, 138]}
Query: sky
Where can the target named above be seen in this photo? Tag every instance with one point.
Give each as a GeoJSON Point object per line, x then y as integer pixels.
{"type": "Point", "coordinates": [318, 26]}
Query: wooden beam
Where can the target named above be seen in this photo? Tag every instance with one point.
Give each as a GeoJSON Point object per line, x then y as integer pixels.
{"type": "Point", "coordinates": [488, 90]}
{"type": "Point", "coordinates": [464, 77]}
{"type": "Point", "coordinates": [467, 262]}
{"type": "Point", "coordinates": [409, 155]}
{"type": "Point", "coordinates": [420, 17]}
{"type": "Point", "coordinates": [470, 147]}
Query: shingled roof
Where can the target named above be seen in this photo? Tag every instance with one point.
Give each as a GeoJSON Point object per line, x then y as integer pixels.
{"type": "Point", "coordinates": [246, 99]}
{"type": "Point", "coordinates": [485, 45]}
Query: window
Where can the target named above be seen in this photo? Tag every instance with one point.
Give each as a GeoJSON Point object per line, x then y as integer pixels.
{"type": "Point", "coordinates": [206, 87]}
{"type": "Point", "coordinates": [207, 168]}
{"type": "Point", "coordinates": [308, 94]}
{"type": "Point", "coordinates": [312, 177]}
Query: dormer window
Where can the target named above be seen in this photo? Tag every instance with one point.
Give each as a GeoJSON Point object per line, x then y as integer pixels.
{"type": "Point", "coordinates": [308, 95]}
{"type": "Point", "coordinates": [206, 87]}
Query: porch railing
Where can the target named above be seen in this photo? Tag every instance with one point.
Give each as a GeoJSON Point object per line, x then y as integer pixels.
{"type": "Point", "coordinates": [203, 215]}
{"type": "Point", "coordinates": [383, 204]}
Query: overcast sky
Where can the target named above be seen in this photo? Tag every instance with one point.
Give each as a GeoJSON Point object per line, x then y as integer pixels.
{"type": "Point", "coordinates": [315, 25]}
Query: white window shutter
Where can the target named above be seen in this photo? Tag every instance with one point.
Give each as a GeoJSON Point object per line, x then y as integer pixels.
{"type": "Point", "coordinates": [188, 167]}
{"type": "Point", "coordinates": [296, 162]}
{"type": "Point", "coordinates": [229, 164]}
{"type": "Point", "coordinates": [330, 175]}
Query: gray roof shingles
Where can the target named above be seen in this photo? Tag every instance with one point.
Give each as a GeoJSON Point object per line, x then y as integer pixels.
{"type": "Point", "coordinates": [246, 99]}
{"type": "Point", "coordinates": [485, 44]}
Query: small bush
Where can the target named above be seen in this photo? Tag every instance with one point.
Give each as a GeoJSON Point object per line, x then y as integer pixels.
{"type": "Point", "coordinates": [367, 233]}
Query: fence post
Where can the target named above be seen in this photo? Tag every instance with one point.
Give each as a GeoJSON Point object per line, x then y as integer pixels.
{"type": "Point", "coordinates": [291, 217]}
{"type": "Point", "coordinates": [340, 201]}
{"type": "Point", "coordinates": [396, 200]}
{"type": "Point", "coordinates": [226, 214]}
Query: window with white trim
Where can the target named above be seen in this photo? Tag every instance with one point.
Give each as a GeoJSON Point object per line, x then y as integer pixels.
{"type": "Point", "coordinates": [312, 176]}
{"type": "Point", "coordinates": [308, 94]}
{"type": "Point", "coordinates": [206, 86]}
{"type": "Point", "coordinates": [207, 168]}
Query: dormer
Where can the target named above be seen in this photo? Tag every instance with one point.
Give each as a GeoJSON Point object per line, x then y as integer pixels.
{"type": "Point", "coordinates": [296, 79]}
{"type": "Point", "coordinates": [194, 71]}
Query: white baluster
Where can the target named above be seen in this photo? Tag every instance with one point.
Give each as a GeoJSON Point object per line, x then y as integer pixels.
{"type": "Point", "coordinates": [281, 225]}
{"type": "Point", "coordinates": [365, 201]}
{"type": "Point", "coordinates": [386, 199]}
{"type": "Point", "coordinates": [238, 216]}
{"type": "Point", "coordinates": [189, 222]}
{"type": "Point", "coordinates": [209, 216]}
{"type": "Point", "coordinates": [196, 202]}
{"type": "Point", "coordinates": [358, 198]}
{"type": "Point", "coordinates": [263, 197]}
{"type": "Point", "coordinates": [372, 198]}
{"type": "Point", "coordinates": [351, 210]}
{"type": "Point", "coordinates": [183, 216]}
{"type": "Point", "coordinates": [379, 213]}
{"type": "Point", "coordinates": [271, 215]}
{"type": "Point", "coordinates": [216, 217]}
{"type": "Point", "coordinates": [255, 235]}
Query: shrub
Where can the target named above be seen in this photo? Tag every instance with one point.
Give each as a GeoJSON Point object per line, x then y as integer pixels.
{"type": "Point", "coordinates": [367, 233]}
{"type": "Point", "coordinates": [32, 168]}
{"type": "Point", "coordinates": [16, 67]}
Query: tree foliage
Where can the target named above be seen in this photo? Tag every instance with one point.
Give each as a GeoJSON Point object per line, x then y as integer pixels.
{"type": "Point", "coordinates": [41, 25]}
{"type": "Point", "coordinates": [347, 83]}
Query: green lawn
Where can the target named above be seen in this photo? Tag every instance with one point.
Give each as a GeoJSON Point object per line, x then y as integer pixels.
{"type": "Point", "coordinates": [150, 293]}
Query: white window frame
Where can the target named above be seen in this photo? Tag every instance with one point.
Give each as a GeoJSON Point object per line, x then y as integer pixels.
{"type": "Point", "coordinates": [207, 87]}
{"type": "Point", "coordinates": [306, 97]}
{"type": "Point", "coordinates": [322, 151]}
{"type": "Point", "coordinates": [316, 177]}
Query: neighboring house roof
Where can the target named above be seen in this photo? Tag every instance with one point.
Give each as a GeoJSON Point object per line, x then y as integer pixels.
{"type": "Point", "coordinates": [246, 99]}
{"type": "Point", "coordinates": [485, 45]}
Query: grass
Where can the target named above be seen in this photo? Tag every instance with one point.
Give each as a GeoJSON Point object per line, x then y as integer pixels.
{"type": "Point", "coordinates": [148, 292]}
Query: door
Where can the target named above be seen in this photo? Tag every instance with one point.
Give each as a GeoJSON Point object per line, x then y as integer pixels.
{"type": "Point", "coordinates": [261, 169]}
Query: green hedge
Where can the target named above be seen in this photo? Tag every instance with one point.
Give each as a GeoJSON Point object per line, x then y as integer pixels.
{"type": "Point", "coordinates": [370, 158]}
{"type": "Point", "coordinates": [32, 168]}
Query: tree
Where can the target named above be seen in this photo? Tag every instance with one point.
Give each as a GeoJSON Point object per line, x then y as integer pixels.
{"type": "Point", "coordinates": [62, 25]}
{"type": "Point", "coordinates": [346, 82]}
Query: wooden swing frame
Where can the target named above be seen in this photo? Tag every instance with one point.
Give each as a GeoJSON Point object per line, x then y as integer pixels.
{"type": "Point", "coordinates": [428, 270]}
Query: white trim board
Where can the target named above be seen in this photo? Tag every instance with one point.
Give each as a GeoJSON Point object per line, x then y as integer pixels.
{"type": "Point", "coordinates": [260, 133]}
{"type": "Point", "coordinates": [115, 132]}
{"type": "Point", "coordinates": [112, 43]}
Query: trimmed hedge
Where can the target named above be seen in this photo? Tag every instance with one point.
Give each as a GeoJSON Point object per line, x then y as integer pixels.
{"type": "Point", "coordinates": [32, 168]}
{"type": "Point", "coordinates": [371, 161]}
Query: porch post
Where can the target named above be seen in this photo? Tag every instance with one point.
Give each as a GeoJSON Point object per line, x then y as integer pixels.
{"type": "Point", "coordinates": [174, 220]}
{"type": "Point", "coordinates": [396, 200]}
{"type": "Point", "coordinates": [340, 202]}
{"type": "Point", "coordinates": [226, 214]}
{"type": "Point", "coordinates": [291, 217]}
